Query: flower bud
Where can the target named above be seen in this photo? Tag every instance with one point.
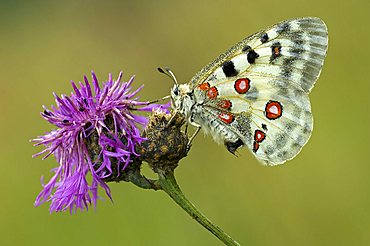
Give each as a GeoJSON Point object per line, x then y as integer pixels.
{"type": "Point", "coordinates": [166, 144]}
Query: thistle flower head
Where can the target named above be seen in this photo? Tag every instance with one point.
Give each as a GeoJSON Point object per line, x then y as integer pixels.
{"type": "Point", "coordinates": [92, 117]}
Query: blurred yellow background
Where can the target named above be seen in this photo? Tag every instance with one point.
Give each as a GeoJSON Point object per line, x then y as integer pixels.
{"type": "Point", "coordinates": [322, 197]}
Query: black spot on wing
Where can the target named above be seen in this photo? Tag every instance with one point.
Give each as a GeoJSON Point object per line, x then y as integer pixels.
{"type": "Point", "coordinates": [264, 38]}
{"type": "Point", "coordinates": [246, 48]}
{"type": "Point", "coordinates": [251, 56]}
{"type": "Point", "coordinates": [229, 69]}
{"type": "Point", "coordinates": [264, 127]}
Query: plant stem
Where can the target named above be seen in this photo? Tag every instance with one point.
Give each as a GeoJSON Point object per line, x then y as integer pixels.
{"type": "Point", "coordinates": [168, 183]}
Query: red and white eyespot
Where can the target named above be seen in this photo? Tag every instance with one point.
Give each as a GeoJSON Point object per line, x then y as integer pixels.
{"type": "Point", "coordinates": [212, 92]}
{"type": "Point", "coordinates": [226, 117]}
{"type": "Point", "coordinates": [204, 86]}
{"type": "Point", "coordinates": [273, 110]}
{"type": "Point", "coordinates": [225, 104]}
{"type": "Point", "coordinates": [259, 136]}
{"type": "Point", "coordinates": [242, 85]}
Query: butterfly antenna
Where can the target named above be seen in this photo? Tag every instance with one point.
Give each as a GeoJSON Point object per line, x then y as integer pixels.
{"type": "Point", "coordinates": [169, 73]}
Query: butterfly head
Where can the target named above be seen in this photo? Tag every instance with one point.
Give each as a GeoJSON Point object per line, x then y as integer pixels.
{"type": "Point", "coordinates": [182, 98]}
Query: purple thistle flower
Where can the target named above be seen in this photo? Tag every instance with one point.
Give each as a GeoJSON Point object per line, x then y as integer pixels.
{"type": "Point", "coordinates": [104, 114]}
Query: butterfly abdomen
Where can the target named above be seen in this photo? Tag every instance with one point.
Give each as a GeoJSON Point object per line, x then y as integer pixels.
{"type": "Point", "coordinates": [213, 124]}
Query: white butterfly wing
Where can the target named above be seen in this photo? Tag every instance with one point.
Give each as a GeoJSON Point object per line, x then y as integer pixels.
{"type": "Point", "coordinates": [264, 81]}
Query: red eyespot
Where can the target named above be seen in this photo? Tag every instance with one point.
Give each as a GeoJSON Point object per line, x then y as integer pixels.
{"type": "Point", "coordinates": [225, 104]}
{"type": "Point", "coordinates": [259, 136]}
{"type": "Point", "coordinates": [204, 86]}
{"type": "Point", "coordinates": [212, 92]}
{"type": "Point", "coordinates": [273, 110]}
{"type": "Point", "coordinates": [242, 85]}
{"type": "Point", "coordinates": [226, 117]}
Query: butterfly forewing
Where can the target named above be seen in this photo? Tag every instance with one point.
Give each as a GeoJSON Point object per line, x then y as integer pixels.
{"type": "Point", "coordinates": [256, 93]}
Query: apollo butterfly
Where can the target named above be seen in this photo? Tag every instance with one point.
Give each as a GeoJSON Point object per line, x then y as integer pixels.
{"type": "Point", "coordinates": [256, 93]}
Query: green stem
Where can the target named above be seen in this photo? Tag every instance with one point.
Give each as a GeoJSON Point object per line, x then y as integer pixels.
{"type": "Point", "coordinates": [168, 183]}
{"type": "Point", "coordinates": [141, 181]}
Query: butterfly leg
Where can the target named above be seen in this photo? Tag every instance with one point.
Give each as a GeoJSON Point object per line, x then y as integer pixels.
{"type": "Point", "coordinates": [186, 128]}
{"type": "Point", "coordinates": [171, 119]}
{"type": "Point", "coordinates": [193, 136]}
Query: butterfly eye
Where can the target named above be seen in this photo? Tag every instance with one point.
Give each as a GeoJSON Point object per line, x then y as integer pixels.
{"type": "Point", "coordinates": [176, 90]}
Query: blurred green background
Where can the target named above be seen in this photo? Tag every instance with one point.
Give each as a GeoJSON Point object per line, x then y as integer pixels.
{"type": "Point", "coordinates": [322, 197]}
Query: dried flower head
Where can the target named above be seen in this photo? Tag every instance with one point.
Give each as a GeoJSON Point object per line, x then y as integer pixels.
{"type": "Point", "coordinates": [92, 117]}
{"type": "Point", "coordinates": [166, 143]}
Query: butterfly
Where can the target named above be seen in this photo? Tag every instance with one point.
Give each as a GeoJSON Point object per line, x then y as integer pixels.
{"type": "Point", "coordinates": [256, 93]}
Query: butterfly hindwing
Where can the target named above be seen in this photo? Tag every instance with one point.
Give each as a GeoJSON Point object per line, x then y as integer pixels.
{"type": "Point", "coordinates": [281, 125]}
{"type": "Point", "coordinates": [257, 91]}
{"type": "Point", "coordinates": [275, 126]}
